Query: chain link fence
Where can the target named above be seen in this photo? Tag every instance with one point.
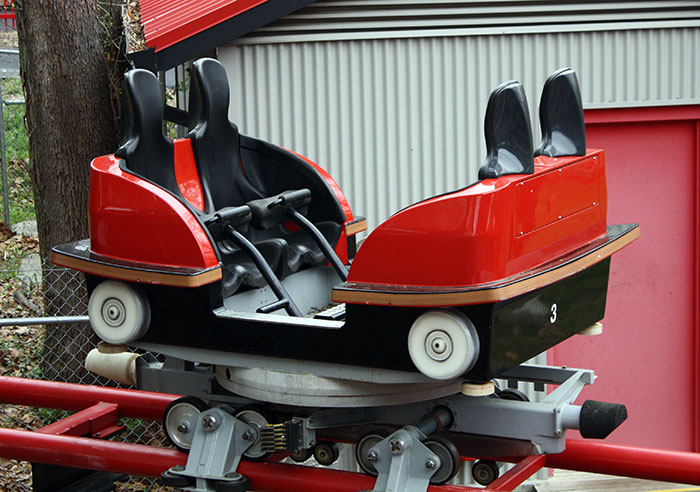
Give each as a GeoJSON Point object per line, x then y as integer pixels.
{"type": "Point", "coordinates": [27, 351]}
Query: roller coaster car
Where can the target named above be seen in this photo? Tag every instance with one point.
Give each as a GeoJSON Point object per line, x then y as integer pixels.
{"type": "Point", "coordinates": [216, 248]}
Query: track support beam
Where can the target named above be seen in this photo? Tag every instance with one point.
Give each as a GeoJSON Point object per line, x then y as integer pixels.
{"type": "Point", "coordinates": [98, 409]}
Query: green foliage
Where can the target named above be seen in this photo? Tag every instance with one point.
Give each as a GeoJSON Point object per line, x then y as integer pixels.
{"type": "Point", "coordinates": [134, 426]}
{"type": "Point", "coordinates": [21, 197]}
{"type": "Point", "coordinates": [49, 415]}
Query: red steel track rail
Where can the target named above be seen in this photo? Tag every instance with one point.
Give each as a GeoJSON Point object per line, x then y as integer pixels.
{"type": "Point", "coordinates": [98, 410]}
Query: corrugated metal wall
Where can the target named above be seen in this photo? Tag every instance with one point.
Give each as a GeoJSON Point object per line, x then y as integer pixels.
{"type": "Point", "coordinates": [398, 120]}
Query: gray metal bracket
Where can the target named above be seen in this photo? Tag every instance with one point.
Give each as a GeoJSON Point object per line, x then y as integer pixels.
{"type": "Point", "coordinates": [174, 376]}
{"type": "Point", "coordinates": [218, 443]}
{"type": "Point", "coordinates": [543, 423]}
{"type": "Point", "coordinates": [404, 463]}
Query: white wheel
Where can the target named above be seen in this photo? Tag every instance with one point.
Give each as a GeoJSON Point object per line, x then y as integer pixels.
{"type": "Point", "coordinates": [179, 420]}
{"type": "Point", "coordinates": [119, 313]}
{"type": "Point", "coordinates": [367, 442]}
{"type": "Point", "coordinates": [443, 343]}
{"type": "Point", "coordinates": [256, 417]}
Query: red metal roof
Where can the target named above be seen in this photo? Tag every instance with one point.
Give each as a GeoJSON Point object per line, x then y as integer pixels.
{"type": "Point", "coordinates": [181, 30]}
{"type": "Point", "coordinates": [167, 22]}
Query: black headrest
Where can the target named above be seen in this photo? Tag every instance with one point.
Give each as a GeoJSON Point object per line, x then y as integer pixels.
{"type": "Point", "coordinates": [561, 116]}
{"type": "Point", "coordinates": [146, 151]}
{"type": "Point", "coordinates": [209, 96]}
{"type": "Point", "coordinates": [508, 133]}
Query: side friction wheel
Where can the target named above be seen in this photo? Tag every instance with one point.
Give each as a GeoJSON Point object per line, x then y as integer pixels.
{"type": "Point", "coordinates": [325, 453]}
{"type": "Point", "coordinates": [179, 420]}
{"type": "Point", "coordinates": [367, 442]}
{"type": "Point", "coordinates": [257, 417]}
{"type": "Point", "coordinates": [449, 459]}
{"type": "Point", "coordinates": [119, 313]}
{"type": "Point", "coordinates": [485, 471]}
{"type": "Point", "coordinates": [300, 455]}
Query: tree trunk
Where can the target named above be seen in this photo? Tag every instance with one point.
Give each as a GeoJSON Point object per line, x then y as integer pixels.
{"type": "Point", "coordinates": [70, 121]}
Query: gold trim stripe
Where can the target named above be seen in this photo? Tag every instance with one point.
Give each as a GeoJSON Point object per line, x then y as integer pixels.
{"type": "Point", "coordinates": [426, 299]}
{"type": "Point", "coordinates": [355, 227]}
{"type": "Point", "coordinates": [132, 275]}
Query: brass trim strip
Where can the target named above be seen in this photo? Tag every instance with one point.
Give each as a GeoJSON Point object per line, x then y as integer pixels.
{"type": "Point", "coordinates": [133, 275]}
{"type": "Point", "coordinates": [460, 298]}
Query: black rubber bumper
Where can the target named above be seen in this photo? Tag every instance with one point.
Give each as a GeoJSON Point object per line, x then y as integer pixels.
{"type": "Point", "coordinates": [598, 419]}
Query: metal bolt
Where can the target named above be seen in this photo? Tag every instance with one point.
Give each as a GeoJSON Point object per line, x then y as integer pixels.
{"type": "Point", "coordinates": [373, 456]}
{"type": "Point", "coordinates": [247, 436]}
{"type": "Point", "coordinates": [431, 464]}
{"type": "Point", "coordinates": [183, 428]}
{"type": "Point", "coordinates": [397, 446]}
{"type": "Point", "coordinates": [209, 422]}
{"type": "Point", "coordinates": [440, 345]}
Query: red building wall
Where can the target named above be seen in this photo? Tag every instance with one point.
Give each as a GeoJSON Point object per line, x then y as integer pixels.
{"type": "Point", "coordinates": [649, 354]}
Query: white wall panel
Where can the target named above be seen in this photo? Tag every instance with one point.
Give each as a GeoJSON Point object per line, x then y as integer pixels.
{"type": "Point", "coordinates": [398, 120]}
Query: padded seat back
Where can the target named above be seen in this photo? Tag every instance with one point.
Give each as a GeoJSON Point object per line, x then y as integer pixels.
{"type": "Point", "coordinates": [508, 133]}
{"type": "Point", "coordinates": [561, 116]}
{"type": "Point", "coordinates": [215, 139]}
{"type": "Point", "coordinates": [145, 150]}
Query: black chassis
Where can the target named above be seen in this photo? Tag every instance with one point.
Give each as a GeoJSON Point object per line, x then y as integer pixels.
{"type": "Point", "coordinates": [510, 332]}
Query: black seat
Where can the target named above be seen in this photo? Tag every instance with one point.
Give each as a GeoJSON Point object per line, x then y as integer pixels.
{"type": "Point", "coordinates": [561, 116]}
{"type": "Point", "coordinates": [216, 144]}
{"type": "Point", "coordinates": [148, 153]}
{"type": "Point", "coordinates": [508, 133]}
{"type": "Point", "coordinates": [215, 139]}
{"type": "Point", "coordinates": [271, 168]}
{"type": "Point", "coordinates": [145, 151]}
